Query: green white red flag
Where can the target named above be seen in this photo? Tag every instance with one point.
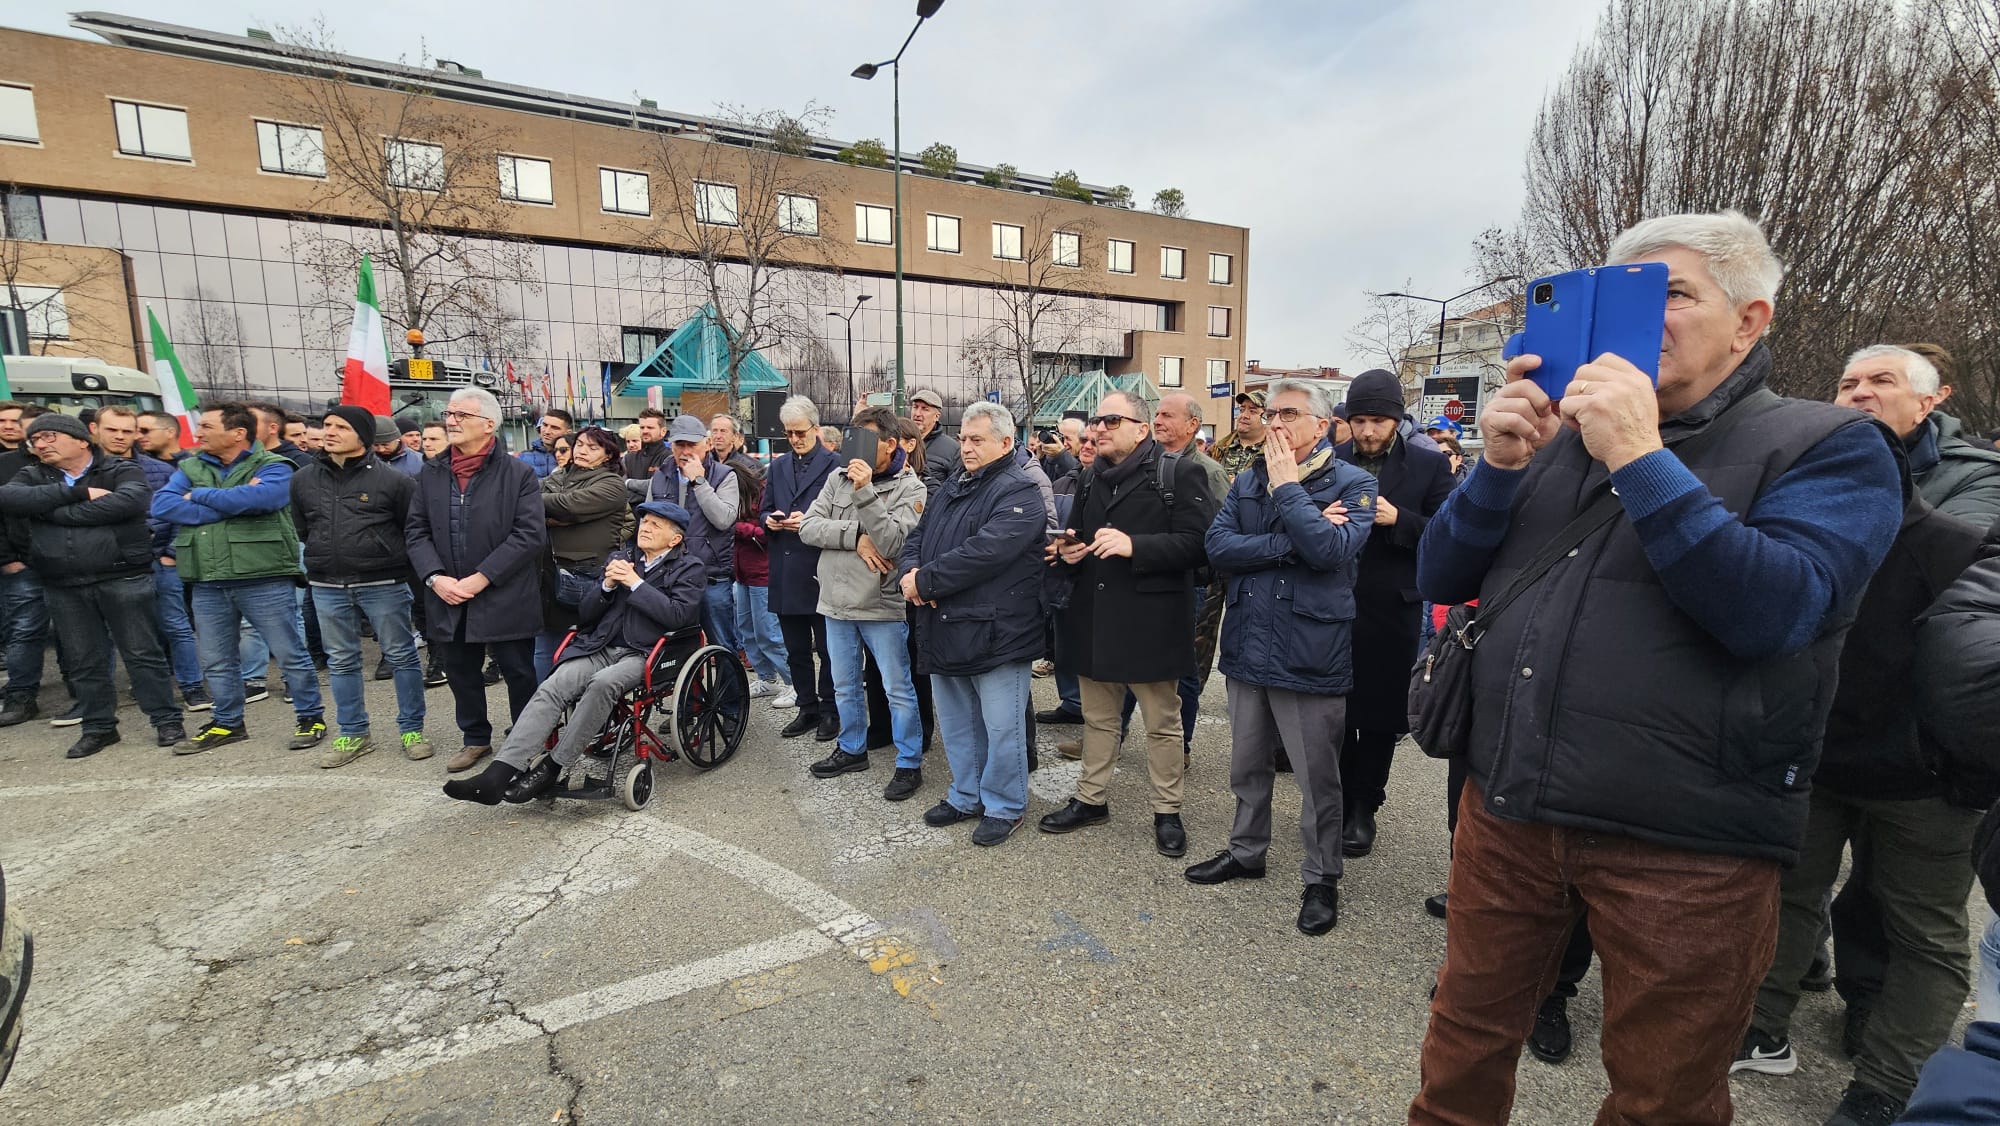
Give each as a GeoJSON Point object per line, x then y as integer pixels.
{"type": "Point", "coordinates": [175, 392]}
{"type": "Point", "coordinates": [365, 379]}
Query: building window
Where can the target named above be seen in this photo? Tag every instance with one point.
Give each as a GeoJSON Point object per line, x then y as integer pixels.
{"type": "Point", "coordinates": [1170, 371]}
{"type": "Point", "coordinates": [941, 232]}
{"type": "Point", "coordinates": [1218, 372]}
{"type": "Point", "coordinates": [1118, 256]}
{"type": "Point", "coordinates": [1218, 320]}
{"type": "Point", "coordinates": [526, 179]}
{"type": "Point", "coordinates": [873, 224]}
{"type": "Point", "coordinates": [48, 317]}
{"type": "Point", "coordinates": [624, 193]}
{"type": "Point", "coordinates": [1066, 249]}
{"type": "Point", "coordinates": [21, 217]}
{"type": "Point", "coordinates": [17, 115]}
{"type": "Point", "coordinates": [414, 164]}
{"type": "Point", "coordinates": [635, 344]}
{"type": "Point", "coordinates": [798, 214]}
{"type": "Point", "coordinates": [1173, 262]}
{"type": "Point", "coordinates": [1007, 241]}
{"type": "Point", "coordinates": [154, 131]}
{"type": "Point", "coordinates": [1219, 269]}
{"type": "Point", "coordinates": [295, 150]}
{"type": "Point", "coordinates": [715, 204]}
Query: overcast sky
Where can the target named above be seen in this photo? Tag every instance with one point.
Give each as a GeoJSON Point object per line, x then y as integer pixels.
{"type": "Point", "coordinates": [1363, 144]}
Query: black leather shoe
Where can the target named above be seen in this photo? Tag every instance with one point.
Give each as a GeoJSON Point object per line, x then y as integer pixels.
{"type": "Point", "coordinates": [904, 784]}
{"type": "Point", "coordinates": [1357, 837]}
{"type": "Point", "coordinates": [1221, 870]}
{"type": "Point", "coordinates": [992, 830]}
{"type": "Point", "coordinates": [1319, 908]}
{"type": "Point", "coordinates": [537, 780]}
{"type": "Point", "coordinates": [801, 723]}
{"type": "Point", "coordinates": [1436, 905]}
{"type": "Point", "coordinates": [1058, 715]}
{"type": "Point", "coordinates": [837, 764]}
{"type": "Point", "coordinates": [1550, 1040]}
{"type": "Point", "coordinates": [383, 671]}
{"type": "Point", "coordinates": [1168, 835]}
{"type": "Point", "coordinates": [944, 813]}
{"type": "Point", "coordinates": [1075, 816]}
{"type": "Point", "coordinates": [829, 728]}
{"type": "Point", "coordinates": [90, 743]}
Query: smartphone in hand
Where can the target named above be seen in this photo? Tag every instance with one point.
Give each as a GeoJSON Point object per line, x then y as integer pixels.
{"type": "Point", "coordinates": [1575, 317]}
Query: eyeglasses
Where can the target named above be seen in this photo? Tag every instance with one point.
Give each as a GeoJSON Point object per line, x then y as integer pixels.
{"type": "Point", "coordinates": [460, 416]}
{"type": "Point", "coordinates": [1113, 421]}
{"type": "Point", "coordinates": [798, 433]}
{"type": "Point", "coordinates": [1291, 414]}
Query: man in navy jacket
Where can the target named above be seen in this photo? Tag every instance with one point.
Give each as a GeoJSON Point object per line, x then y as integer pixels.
{"type": "Point", "coordinates": [791, 486]}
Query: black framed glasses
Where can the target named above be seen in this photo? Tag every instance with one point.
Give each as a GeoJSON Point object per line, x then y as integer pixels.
{"type": "Point", "coordinates": [460, 416]}
{"type": "Point", "coordinates": [1113, 421]}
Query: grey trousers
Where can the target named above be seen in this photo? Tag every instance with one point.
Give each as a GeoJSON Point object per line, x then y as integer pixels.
{"type": "Point", "coordinates": [587, 687]}
{"type": "Point", "coordinates": [1310, 728]}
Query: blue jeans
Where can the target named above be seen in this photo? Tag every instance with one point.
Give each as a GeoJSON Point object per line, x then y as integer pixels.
{"type": "Point", "coordinates": [546, 644]}
{"type": "Point", "coordinates": [24, 618]}
{"type": "Point", "coordinates": [888, 643]}
{"type": "Point", "coordinates": [984, 722]}
{"type": "Point", "coordinates": [387, 608]}
{"type": "Point", "coordinates": [1989, 973]}
{"type": "Point", "coordinates": [718, 615]}
{"type": "Point", "coordinates": [758, 628]}
{"type": "Point", "coordinates": [271, 606]}
{"type": "Point", "coordinates": [175, 629]}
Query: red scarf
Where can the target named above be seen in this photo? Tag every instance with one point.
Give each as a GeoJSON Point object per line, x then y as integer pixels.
{"type": "Point", "coordinates": [464, 465]}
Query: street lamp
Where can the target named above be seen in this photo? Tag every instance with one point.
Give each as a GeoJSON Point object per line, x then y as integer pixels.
{"type": "Point", "coordinates": [1444, 304]}
{"type": "Point", "coordinates": [849, 318]}
{"type": "Point", "coordinates": [925, 10]}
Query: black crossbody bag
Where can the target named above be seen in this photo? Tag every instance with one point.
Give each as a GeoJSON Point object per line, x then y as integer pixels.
{"type": "Point", "coordinates": [1440, 699]}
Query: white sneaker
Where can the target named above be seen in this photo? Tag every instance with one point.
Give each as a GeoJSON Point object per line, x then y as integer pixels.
{"type": "Point", "coordinates": [762, 688]}
{"type": "Point", "coordinates": [785, 699]}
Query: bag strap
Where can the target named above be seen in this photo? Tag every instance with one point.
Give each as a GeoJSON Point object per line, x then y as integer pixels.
{"type": "Point", "coordinates": [1606, 509]}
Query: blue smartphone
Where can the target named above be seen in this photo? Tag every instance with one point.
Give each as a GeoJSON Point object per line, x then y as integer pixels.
{"type": "Point", "coordinates": [1574, 318]}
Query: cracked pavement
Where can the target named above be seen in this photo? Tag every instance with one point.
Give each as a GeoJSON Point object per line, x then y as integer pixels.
{"type": "Point", "coordinates": [240, 936]}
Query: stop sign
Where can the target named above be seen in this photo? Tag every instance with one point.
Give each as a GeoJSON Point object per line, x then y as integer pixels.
{"type": "Point", "coordinates": [1454, 410]}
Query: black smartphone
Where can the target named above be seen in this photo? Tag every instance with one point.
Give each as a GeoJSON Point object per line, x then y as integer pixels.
{"type": "Point", "coordinates": [860, 444]}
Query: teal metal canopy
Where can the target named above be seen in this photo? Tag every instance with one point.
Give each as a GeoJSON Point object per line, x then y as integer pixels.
{"type": "Point", "coordinates": [1080, 392]}
{"type": "Point", "coordinates": [696, 355]}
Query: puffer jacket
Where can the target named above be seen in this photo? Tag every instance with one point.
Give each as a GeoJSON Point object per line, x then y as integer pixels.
{"type": "Point", "coordinates": [1957, 671]}
{"type": "Point", "coordinates": [884, 510]}
{"type": "Point", "coordinates": [74, 540]}
{"type": "Point", "coordinates": [1290, 576]}
{"type": "Point", "coordinates": [978, 556]}
{"type": "Point", "coordinates": [1964, 481]}
{"type": "Point", "coordinates": [589, 514]}
{"type": "Point", "coordinates": [351, 519]}
{"type": "Point", "coordinates": [158, 472]}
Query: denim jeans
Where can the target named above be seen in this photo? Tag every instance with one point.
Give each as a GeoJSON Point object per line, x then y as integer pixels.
{"type": "Point", "coordinates": [118, 611]}
{"type": "Point", "coordinates": [271, 607]}
{"type": "Point", "coordinates": [24, 616]}
{"type": "Point", "coordinates": [1989, 973]}
{"type": "Point", "coordinates": [170, 602]}
{"type": "Point", "coordinates": [888, 643]}
{"type": "Point", "coordinates": [758, 629]}
{"type": "Point", "coordinates": [718, 615]}
{"type": "Point", "coordinates": [984, 722]}
{"type": "Point", "coordinates": [386, 606]}
{"type": "Point", "coordinates": [546, 644]}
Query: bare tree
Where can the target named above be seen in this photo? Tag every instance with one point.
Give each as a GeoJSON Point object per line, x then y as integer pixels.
{"type": "Point", "coordinates": [1048, 320]}
{"type": "Point", "coordinates": [211, 339]}
{"type": "Point", "coordinates": [814, 370]}
{"type": "Point", "coordinates": [747, 218]}
{"type": "Point", "coordinates": [1390, 333]}
{"type": "Point", "coordinates": [55, 286]}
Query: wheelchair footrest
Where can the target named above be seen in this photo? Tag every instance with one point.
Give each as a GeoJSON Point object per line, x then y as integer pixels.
{"type": "Point", "coordinates": [596, 792]}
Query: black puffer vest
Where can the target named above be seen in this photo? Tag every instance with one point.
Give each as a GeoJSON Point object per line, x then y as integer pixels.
{"type": "Point", "coordinates": [1598, 704]}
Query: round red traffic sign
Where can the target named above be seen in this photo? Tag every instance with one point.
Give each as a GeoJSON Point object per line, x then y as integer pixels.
{"type": "Point", "coordinates": [1454, 410]}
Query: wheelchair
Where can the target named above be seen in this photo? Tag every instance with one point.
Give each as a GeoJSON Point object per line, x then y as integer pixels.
{"type": "Point", "coordinates": [694, 703]}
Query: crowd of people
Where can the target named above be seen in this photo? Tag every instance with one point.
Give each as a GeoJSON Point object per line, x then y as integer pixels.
{"type": "Point", "coordinates": [1747, 579]}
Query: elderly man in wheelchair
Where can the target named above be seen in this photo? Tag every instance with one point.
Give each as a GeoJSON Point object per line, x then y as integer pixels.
{"type": "Point", "coordinates": [649, 591]}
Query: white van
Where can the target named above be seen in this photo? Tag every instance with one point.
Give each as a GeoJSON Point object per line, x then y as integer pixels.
{"type": "Point", "coordinates": [69, 383]}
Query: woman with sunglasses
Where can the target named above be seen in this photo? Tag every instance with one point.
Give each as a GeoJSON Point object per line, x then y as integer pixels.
{"type": "Point", "coordinates": [589, 515]}
{"type": "Point", "coordinates": [562, 449]}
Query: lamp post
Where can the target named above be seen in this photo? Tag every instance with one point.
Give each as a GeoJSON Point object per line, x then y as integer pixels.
{"type": "Point", "coordinates": [848, 316]}
{"type": "Point", "coordinates": [1444, 304]}
{"type": "Point", "coordinates": [925, 10]}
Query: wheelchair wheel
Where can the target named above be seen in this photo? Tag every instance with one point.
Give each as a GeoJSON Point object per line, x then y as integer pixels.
{"type": "Point", "coordinates": [711, 707]}
{"type": "Point", "coordinates": [635, 786]}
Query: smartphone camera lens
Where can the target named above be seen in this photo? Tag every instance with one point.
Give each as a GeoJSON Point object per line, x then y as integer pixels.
{"type": "Point", "coordinates": [1544, 293]}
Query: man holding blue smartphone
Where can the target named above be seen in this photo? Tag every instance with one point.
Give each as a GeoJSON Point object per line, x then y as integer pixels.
{"type": "Point", "coordinates": [1646, 717]}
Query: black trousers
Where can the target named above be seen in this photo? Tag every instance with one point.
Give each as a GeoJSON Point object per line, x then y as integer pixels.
{"type": "Point", "coordinates": [463, 661]}
{"type": "Point", "coordinates": [92, 619]}
{"type": "Point", "coordinates": [1860, 940]}
{"type": "Point", "coordinates": [1364, 768]}
{"type": "Point", "coordinates": [805, 636]}
{"type": "Point", "coordinates": [1576, 956]}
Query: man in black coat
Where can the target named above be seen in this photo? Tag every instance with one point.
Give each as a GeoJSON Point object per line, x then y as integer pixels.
{"type": "Point", "coordinates": [85, 514]}
{"type": "Point", "coordinates": [973, 576]}
{"type": "Point", "coordinates": [477, 534]}
{"type": "Point", "coordinates": [1411, 484]}
{"type": "Point", "coordinates": [794, 480]}
{"type": "Point", "coordinates": [1131, 552]}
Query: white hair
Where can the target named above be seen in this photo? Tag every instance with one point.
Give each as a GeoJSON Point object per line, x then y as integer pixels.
{"type": "Point", "coordinates": [799, 408]}
{"type": "Point", "coordinates": [1319, 400]}
{"type": "Point", "coordinates": [1922, 374]}
{"type": "Point", "coordinates": [1072, 427]}
{"type": "Point", "coordinates": [489, 407]}
{"type": "Point", "coordinates": [998, 417]}
{"type": "Point", "coordinates": [1738, 255]}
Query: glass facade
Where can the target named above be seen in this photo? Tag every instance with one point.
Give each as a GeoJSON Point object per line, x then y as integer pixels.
{"type": "Point", "coordinates": [248, 313]}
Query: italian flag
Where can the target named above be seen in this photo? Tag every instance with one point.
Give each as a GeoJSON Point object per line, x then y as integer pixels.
{"type": "Point", "coordinates": [174, 389]}
{"type": "Point", "coordinates": [365, 379]}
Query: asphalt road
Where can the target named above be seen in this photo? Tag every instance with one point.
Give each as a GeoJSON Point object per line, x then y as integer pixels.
{"type": "Point", "coordinates": [240, 935]}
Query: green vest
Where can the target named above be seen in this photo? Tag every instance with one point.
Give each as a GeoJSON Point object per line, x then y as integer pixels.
{"type": "Point", "coordinates": [242, 547]}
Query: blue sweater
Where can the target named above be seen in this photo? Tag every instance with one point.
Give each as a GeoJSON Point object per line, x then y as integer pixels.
{"type": "Point", "coordinates": [1760, 586]}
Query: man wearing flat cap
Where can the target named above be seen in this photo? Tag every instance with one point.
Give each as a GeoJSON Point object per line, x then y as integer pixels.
{"type": "Point", "coordinates": [702, 483]}
{"type": "Point", "coordinates": [1411, 483]}
{"type": "Point", "coordinates": [940, 448]}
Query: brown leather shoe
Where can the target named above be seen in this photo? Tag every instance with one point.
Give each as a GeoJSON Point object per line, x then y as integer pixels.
{"type": "Point", "coordinates": [467, 759]}
{"type": "Point", "coordinates": [1070, 748]}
